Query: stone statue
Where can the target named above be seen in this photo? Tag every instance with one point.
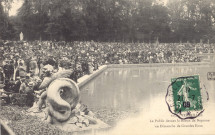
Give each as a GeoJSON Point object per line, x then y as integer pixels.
{"type": "Point", "coordinates": [63, 107]}
{"type": "Point", "coordinates": [62, 97]}
{"type": "Point", "coordinates": [21, 36]}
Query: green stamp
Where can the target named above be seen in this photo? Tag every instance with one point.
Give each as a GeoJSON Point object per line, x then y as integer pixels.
{"type": "Point", "coordinates": [184, 97]}
{"type": "Point", "coordinates": [186, 94]}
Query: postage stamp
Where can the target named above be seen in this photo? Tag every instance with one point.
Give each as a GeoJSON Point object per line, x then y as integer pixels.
{"type": "Point", "coordinates": [184, 97]}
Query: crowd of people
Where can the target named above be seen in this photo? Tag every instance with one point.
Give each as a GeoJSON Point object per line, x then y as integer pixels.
{"type": "Point", "coordinates": [21, 61]}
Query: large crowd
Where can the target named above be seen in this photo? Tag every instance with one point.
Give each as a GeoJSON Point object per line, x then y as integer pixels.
{"type": "Point", "coordinates": [21, 61]}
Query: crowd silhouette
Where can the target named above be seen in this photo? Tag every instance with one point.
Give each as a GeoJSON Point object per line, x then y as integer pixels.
{"type": "Point", "coordinates": [23, 63]}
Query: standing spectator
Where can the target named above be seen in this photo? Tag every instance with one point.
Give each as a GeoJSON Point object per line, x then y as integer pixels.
{"type": "Point", "coordinates": [8, 70]}
{"type": "Point", "coordinates": [33, 67]}
{"type": "Point", "coordinates": [27, 88]}
{"type": "Point", "coordinates": [95, 65]}
{"type": "Point", "coordinates": [1, 76]}
{"type": "Point", "coordinates": [74, 76]}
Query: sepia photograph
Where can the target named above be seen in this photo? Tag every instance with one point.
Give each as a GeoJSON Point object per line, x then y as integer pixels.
{"type": "Point", "coordinates": [107, 67]}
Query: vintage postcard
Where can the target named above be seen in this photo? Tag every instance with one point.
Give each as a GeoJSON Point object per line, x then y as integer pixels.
{"type": "Point", "coordinates": [107, 67]}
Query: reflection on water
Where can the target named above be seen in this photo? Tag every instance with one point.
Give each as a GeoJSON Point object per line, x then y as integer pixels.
{"type": "Point", "coordinates": [138, 88]}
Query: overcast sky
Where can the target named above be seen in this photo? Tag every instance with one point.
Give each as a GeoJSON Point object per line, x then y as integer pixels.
{"type": "Point", "coordinates": [15, 6]}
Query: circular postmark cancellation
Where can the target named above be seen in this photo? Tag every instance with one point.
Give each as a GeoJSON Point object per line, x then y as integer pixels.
{"type": "Point", "coordinates": [185, 97]}
{"type": "Point", "coordinates": [211, 75]}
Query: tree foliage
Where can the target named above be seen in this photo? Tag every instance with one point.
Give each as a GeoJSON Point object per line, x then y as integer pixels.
{"type": "Point", "coordinates": [192, 20]}
{"type": "Point", "coordinates": [7, 30]}
{"type": "Point", "coordinates": [117, 20]}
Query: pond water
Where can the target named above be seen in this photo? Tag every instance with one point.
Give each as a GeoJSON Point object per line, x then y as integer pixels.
{"type": "Point", "coordinates": [142, 90]}
{"type": "Point", "coordinates": [137, 88]}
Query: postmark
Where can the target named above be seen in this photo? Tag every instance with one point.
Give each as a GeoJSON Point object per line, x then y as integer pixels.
{"type": "Point", "coordinates": [211, 75]}
{"type": "Point", "coordinates": [184, 97]}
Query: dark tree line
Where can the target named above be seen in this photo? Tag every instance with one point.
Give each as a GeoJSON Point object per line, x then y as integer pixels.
{"type": "Point", "coordinates": [112, 20]}
{"type": "Point", "coordinates": [7, 30]}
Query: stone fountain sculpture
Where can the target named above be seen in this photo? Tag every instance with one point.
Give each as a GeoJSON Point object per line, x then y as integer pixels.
{"type": "Point", "coordinates": [63, 107]}
{"type": "Point", "coordinates": [62, 97]}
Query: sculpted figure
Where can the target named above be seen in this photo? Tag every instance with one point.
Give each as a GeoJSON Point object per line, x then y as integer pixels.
{"type": "Point", "coordinates": [60, 93]}
{"type": "Point", "coordinates": [62, 97]}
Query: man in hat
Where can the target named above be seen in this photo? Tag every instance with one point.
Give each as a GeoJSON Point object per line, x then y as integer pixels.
{"type": "Point", "coordinates": [33, 67]}
{"type": "Point", "coordinates": [1, 76]}
{"type": "Point", "coordinates": [8, 70]}
{"type": "Point", "coordinates": [27, 88]}
{"type": "Point", "coordinates": [20, 71]}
